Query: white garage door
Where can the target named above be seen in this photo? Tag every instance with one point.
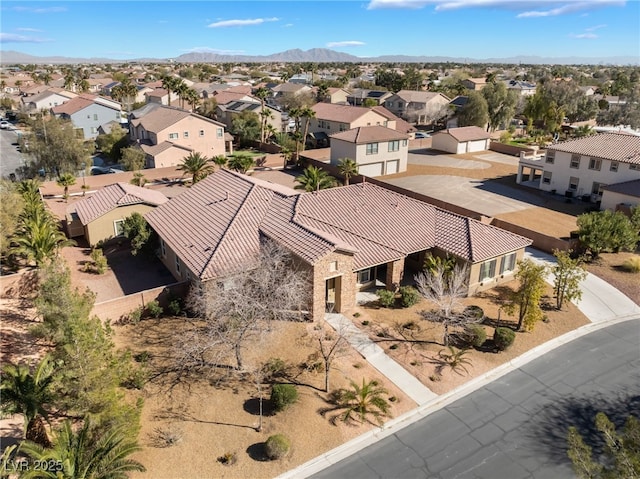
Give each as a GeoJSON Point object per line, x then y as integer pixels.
{"type": "Point", "coordinates": [392, 166]}
{"type": "Point", "coordinates": [372, 169]}
{"type": "Point", "coordinates": [476, 145]}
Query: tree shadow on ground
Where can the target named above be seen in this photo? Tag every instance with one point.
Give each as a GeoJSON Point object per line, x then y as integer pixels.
{"type": "Point", "coordinates": [551, 424]}
{"type": "Point", "coordinates": [252, 406]}
{"type": "Point", "coordinates": [257, 452]}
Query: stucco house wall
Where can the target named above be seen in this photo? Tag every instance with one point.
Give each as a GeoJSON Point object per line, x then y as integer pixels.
{"type": "Point", "coordinates": [502, 273]}
{"type": "Point", "coordinates": [104, 227]}
{"type": "Point", "coordinates": [329, 127]}
{"type": "Point", "coordinates": [611, 199]}
{"type": "Point", "coordinates": [90, 118]}
{"type": "Point", "coordinates": [343, 149]}
{"type": "Point", "coordinates": [446, 142]}
{"type": "Point", "coordinates": [202, 136]}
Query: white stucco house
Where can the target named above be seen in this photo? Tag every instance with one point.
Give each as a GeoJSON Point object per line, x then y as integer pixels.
{"type": "Point", "coordinates": [466, 139]}
{"type": "Point", "coordinates": [376, 149]}
{"type": "Point", "coordinates": [621, 196]}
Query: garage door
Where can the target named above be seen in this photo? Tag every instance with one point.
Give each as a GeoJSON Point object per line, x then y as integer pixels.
{"type": "Point", "coordinates": [372, 169]}
{"type": "Point", "coordinates": [477, 145]}
{"type": "Point", "coordinates": [392, 166]}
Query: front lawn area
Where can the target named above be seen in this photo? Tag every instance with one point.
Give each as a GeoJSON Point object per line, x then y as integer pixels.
{"type": "Point", "coordinates": [611, 268]}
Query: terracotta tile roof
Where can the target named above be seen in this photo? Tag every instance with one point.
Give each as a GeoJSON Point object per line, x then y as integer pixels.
{"type": "Point", "coordinates": [154, 150]}
{"type": "Point", "coordinates": [401, 125]}
{"type": "Point", "coordinates": [290, 88]}
{"type": "Point", "coordinates": [113, 196]}
{"type": "Point", "coordinates": [341, 113]}
{"type": "Point", "coordinates": [367, 134]}
{"type": "Point", "coordinates": [81, 102]}
{"type": "Point", "coordinates": [609, 146]}
{"type": "Point", "coordinates": [160, 118]}
{"type": "Point", "coordinates": [226, 96]}
{"type": "Point", "coordinates": [466, 133]}
{"type": "Point", "coordinates": [630, 188]}
{"type": "Point", "coordinates": [415, 96]}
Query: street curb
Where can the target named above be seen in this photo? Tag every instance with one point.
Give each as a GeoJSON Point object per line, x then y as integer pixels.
{"type": "Point", "coordinates": [393, 426]}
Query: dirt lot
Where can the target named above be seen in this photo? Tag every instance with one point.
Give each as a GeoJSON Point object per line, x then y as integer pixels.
{"type": "Point", "coordinates": [609, 268]}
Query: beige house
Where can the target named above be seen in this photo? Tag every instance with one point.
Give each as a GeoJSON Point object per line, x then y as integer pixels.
{"type": "Point", "coordinates": [466, 139]}
{"type": "Point", "coordinates": [376, 149]}
{"type": "Point", "coordinates": [336, 95]}
{"type": "Point", "coordinates": [347, 238]}
{"type": "Point", "coordinates": [418, 107]}
{"type": "Point", "coordinates": [331, 118]}
{"type": "Point", "coordinates": [99, 217]}
{"type": "Point", "coordinates": [475, 84]}
{"type": "Point", "coordinates": [621, 196]}
{"type": "Point", "coordinates": [168, 134]}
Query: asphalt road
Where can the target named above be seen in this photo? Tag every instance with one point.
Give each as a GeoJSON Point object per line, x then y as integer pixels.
{"type": "Point", "coordinates": [515, 427]}
{"type": "Point", "coordinates": [10, 157]}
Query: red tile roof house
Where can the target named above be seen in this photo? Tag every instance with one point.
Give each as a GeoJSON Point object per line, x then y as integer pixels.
{"type": "Point", "coordinates": [345, 237]}
{"type": "Point", "coordinates": [100, 216]}
{"type": "Point", "coordinates": [88, 112]}
{"type": "Point", "coordinates": [466, 139]}
{"type": "Point", "coordinates": [376, 149]}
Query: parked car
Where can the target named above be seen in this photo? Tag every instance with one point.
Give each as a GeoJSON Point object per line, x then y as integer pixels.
{"type": "Point", "coordinates": [421, 135]}
{"type": "Point", "coordinates": [5, 125]}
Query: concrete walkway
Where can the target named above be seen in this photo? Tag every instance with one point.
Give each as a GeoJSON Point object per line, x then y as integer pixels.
{"type": "Point", "coordinates": [376, 356]}
{"type": "Point", "coordinates": [600, 301]}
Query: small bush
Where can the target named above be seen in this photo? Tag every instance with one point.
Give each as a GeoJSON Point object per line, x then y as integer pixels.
{"type": "Point", "coordinates": [393, 346]}
{"type": "Point", "coordinates": [99, 261]}
{"type": "Point", "coordinates": [386, 298]}
{"type": "Point", "coordinates": [393, 399]}
{"type": "Point", "coordinates": [174, 307]}
{"type": "Point", "coordinates": [474, 311]}
{"type": "Point", "coordinates": [142, 357]}
{"type": "Point", "coordinates": [356, 315]}
{"type": "Point", "coordinates": [503, 338]}
{"type": "Point", "coordinates": [475, 335]}
{"type": "Point", "coordinates": [365, 323]}
{"type": "Point", "coordinates": [166, 436]}
{"type": "Point", "coordinates": [275, 368]}
{"type": "Point", "coordinates": [283, 395]}
{"type": "Point", "coordinates": [277, 446]}
{"type": "Point", "coordinates": [632, 265]}
{"type": "Point", "coordinates": [408, 296]}
{"type": "Point", "coordinates": [135, 316]}
{"type": "Point", "coordinates": [228, 458]}
{"type": "Point", "coordinates": [154, 309]}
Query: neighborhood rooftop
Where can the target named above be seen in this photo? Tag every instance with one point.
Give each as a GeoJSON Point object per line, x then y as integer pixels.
{"type": "Point", "coordinates": [368, 134]}
{"type": "Point", "coordinates": [609, 146]}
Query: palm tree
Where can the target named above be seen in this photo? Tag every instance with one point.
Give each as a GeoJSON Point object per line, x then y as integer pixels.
{"type": "Point", "coordinates": [169, 83]}
{"type": "Point", "coordinates": [39, 238]}
{"type": "Point", "coordinates": [365, 400]}
{"type": "Point", "coordinates": [262, 93]}
{"type": "Point", "coordinates": [220, 161]}
{"type": "Point", "coordinates": [181, 88]}
{"type": "Point", "coordinates": [296, 113]}
{"type": "Point", "coordinates": [307, 113]}
{"type": "Point", "coordinates": [192, 98]}
{"type": "Point", "coordinates": [197, 166]}
{"type": "Point", "coordinates": [582, 131]}
{"type": "Point", "coordinates": [348, 168]}
{"type": "Point", "coordinates": [86, 454]}
{"type": "Point", "coordinates": [313, 179]}
{"type": "Point", "coordinates": [241, 162]}
{"type": "Point", "coordinates": [66, 180]}
{"type": "Point", "coordinates": [27, 394]}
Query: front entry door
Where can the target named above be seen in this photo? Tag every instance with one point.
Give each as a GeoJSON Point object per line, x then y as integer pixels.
{"type": "Point", "coordinates": [330, 296]}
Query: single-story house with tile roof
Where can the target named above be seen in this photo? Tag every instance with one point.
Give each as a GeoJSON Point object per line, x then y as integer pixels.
{"type": "Point", "coordinates": [466, 139]}
{"type": "Point", "coordinates": [100, 216]}
{"type": "Point", "coordinates": [346, 237]}
{"type": "Point", "coordinates": [621, 196]}
{"type": "Point", "coordinates": [376, 149]}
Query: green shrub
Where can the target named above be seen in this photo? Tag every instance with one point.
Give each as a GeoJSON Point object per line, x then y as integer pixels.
{"type": "Point", "coordinates": [475, 335]}
{"type": "Point", "coordinates": [275, 368]}
{"type": "Point", "coordinates": [386, 298]}
{"type": "Point", "coordinates": [475, 312]}
{"type": "Point", "coordinates": [99, 261]}
{"type": "Point", "coordinates": [174, 307]}
{"type": "Point", "coordinates": [136, 315]}
{"type": "Point", "coordinates": [632, 265]}
{"type": "Point", "coordinates": [154, 309]}
{"type": "Point", "coordinates": [283, 395]}
{"type": "Point", "coordinates": [503, 338]}
{"type": "Point", "coordinates": [277, 446]}
{"type": "Point", "coordinates": [356, 315]}
{"type": "Point", "coordinates": [408, 296]}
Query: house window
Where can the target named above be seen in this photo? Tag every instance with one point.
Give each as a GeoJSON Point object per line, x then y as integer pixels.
{"type": "Point", "coordinates": [399, 104]}
{"type": "Point", "coordinates": [508, 263]}
{"type": "Point", "coordinates": [488, 270]}
{"type": "Point", "coordinates": [633, 166]}
{"type": "Point", "coordinates": [390, 103]}
{"type": "Point", "coordinates": [394, 145]}
{"type": "Point", "coordinates": [404, 142]}
{"type": "Point", "coordinates": [219, 133]}
{"type": "Point", "coordinates": [163, 248]}
{"type": "Point", "coordinates": [201, 133]}
{"type": "Point", "coordinates": [94, 130]}
{"type": "Point", "coordinates": [596, 188]}
{"type": "Point", "coordinates": [118, 227]}
{"type": "Point", "coordinates": [333, 266]}
{"type": "Point", "coordinates": [546, 177]}
{"type": "Point", "coordinates": [174, 136]}
{"type": "Point", "coordinates": [385, 123]}
{"type": "Point", "coordinates": [95, 117]}
{"type": "Point", "coordinates": [614, 166]}
{"type": "Point", "coordinates": [551, 155]}
{"type": "Point", "coordinates": [575, 161]}
{"type": "Point", "coordinates": [364, 276]}
{"type": "Point", "coordinates": [573, 183]}
{"type": "Point", "coordinates": [343, 127]}
{"type": "Point", "coordinates": [185, 134]}
{"type": "Point", "coordinates": [595, 164]}
{"type": "Point", "coordinates": [178, 266]}
{"type": "Point", "coordinates": [372, 148]}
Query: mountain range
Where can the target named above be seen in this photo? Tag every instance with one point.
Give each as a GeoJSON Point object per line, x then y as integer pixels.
{"type": "Point", "coordinates": [319, 55]}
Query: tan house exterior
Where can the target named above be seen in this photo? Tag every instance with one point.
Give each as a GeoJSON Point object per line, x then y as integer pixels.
{"type": "Point", "coordinates": [376, 149]}
{"type": "Point", "coordinates": [331, 118]}
{"type": "Point", "coordinates": [99, 217]}
{"type": "Point", "coordinates": [418, 107]}
{"type": "Point", "coordinates": [621, 196]}
{"type": "Point", "coordinates": [168, 134]}
{"type": "Point", "coordinates": [346, 238]}
{"type": "Point", "coordinates": [466, 139]}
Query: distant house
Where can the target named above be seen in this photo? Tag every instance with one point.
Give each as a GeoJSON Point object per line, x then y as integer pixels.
{"type": "Point", "coordinates": [336, 95]}
{"type": "Point", "coordinates": [466, 139]}
{"type": "Point", "coordinates": [474, 84]}
{"type": "Point", "coordinates": [522, 88]}
{"type": "Point", "coordinates": [376, 149]}
{"type": "Point", "coordinates": [168, 134]}
{"type": "Point", "coordinates": [584, 166]}
{"type": "Point", "coordinates": [359, 96]}
{"type": "Point", "coordinates": [418, 107]}
{"type": "Point", "coordinates": [100, 216]}
{"type": "Point", "coordinates": [331, 118]}
{"type": "Point", "coordinates": [161, 96]}
{"type": "Point", "coordinates": [226, 113]}
{"type": "Point", "coordinates": [46, 100]}
{"type": "Point", "coordinates": [88, 112]}
{"type": "Point", "coordinates": [287, 89]}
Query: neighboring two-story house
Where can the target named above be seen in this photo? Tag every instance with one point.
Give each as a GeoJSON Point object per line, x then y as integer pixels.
{"type": "Point", "coordinates": [46, 100]}
{"type": "Point", "coordinates": [359, 96]}
{"type": "Point", "coordinates": [331, 118]}
{"type": "Point", "coordinates": [376, 149]}
{"type": "Point", "coordinates": [226, 113]}
{"type": "Point", "coordinates": [582, 167]}
{"type": "Point", "coordinates": [168, 134]}
{"type": "Point", "coordinates": [88, 112]}
{"type": "Point", "coordinates": [418, 107]}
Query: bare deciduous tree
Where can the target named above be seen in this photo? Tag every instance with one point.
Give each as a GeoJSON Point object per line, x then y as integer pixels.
{"type": "Point", "coordinates": [446, 289]}
{"type": "Point", "coordinates": [332, 344]}
{"type": "Point", "coordinates": [241, 305]}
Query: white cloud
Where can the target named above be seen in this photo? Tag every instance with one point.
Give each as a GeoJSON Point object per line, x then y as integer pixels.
{"type": "Point", "coordinates": [213, 50]}
{"type": "Point", "coordinates": [39, 9]}
{"type": "Point", "coordinates": [348, 43]}
{"type": "Point", "coordinates": [584, 35]}
{"type": "Point", "coordinates": [597, 27]}
{"type": "Point", "coordinates": [35, 30]}
{"type": "Point", "coordinates": [241, 23]}
{"type": "Point", "coordinates": [15, 38]}
{"type": "Point", "coordinates": [288, 25]}
{"type": "Point", "coordinates": [571, 7]}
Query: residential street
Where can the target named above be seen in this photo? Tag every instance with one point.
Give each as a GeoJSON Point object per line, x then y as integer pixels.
{"type": "Point", "coordinates": [515, 427]}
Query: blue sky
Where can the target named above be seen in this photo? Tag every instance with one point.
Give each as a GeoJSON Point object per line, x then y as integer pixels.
{"type": "Point", "coordinates": [459, 28]}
